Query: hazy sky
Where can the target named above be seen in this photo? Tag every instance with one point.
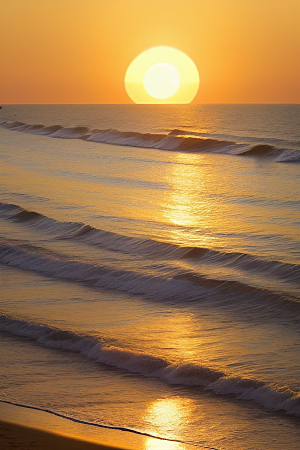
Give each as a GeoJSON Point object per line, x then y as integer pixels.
{"type": "Point", "coordinates": [77, 51]}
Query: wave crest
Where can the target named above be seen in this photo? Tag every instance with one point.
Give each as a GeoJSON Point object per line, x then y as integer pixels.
{"type": "Point", "coordinates": [149, 248]}
{"type": "Point", "coordinates": [175, 140]}
{"type": "Point", "coordinates": [272, 397]}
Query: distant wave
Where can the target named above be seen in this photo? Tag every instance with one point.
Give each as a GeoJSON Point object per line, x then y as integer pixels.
{"type": "Point", "coordinates": [175, 140]}
{"type": "Point", "coordinates": [270, 396]}
{"type": "Point", "coordinates": [148, 248]}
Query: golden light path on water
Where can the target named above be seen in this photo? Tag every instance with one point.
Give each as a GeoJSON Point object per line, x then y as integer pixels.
{"type": "Point", "coordinates": [190, 180]}
{"type": "Point", "coordinates": [168, 416]}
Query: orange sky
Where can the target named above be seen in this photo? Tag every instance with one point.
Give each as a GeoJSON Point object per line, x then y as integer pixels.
{"type": "Point", "coordinates": [77, 51]}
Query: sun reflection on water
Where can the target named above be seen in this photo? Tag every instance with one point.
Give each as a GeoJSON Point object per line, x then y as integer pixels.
{"type": "Point", "coordinates": [167, 417]}
{"type": "Point", "coordinates": [163, 445]}
{"type": "Point", "coordinates": [190, 205]}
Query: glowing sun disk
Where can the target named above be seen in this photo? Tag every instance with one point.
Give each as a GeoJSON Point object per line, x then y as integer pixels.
{"type": "Point", "coordinates": [162, 75]}
{"type": "Point", "coordinates": [162, 80]}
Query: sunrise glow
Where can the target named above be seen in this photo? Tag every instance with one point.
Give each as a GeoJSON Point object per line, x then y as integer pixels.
{"type": "Point", "coordinates": [245, 51]}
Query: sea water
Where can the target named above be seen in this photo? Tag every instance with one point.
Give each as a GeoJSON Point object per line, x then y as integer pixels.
{"type": "Point", "coordinates": [150, 269]}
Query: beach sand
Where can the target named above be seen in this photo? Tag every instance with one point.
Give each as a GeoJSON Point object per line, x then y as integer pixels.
{"type": "Point", "coordinates": [25, 428]}
{"type": "Point", "coordinates": [13, 436]}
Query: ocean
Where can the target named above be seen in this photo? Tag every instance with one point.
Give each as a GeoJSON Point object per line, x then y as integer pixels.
{"type": "Point", "coordinates": [150, 270]}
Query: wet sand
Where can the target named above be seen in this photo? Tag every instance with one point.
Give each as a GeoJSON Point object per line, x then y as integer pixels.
{"type": "Point", "coordinates": [13, 436]}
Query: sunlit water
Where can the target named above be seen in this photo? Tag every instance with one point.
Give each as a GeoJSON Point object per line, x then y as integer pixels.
{"type": "Point", "coordinates": [157, 288]}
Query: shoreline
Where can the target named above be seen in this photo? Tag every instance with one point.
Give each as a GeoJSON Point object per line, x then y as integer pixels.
{"type": "Point", "coordinates": [22, 427]}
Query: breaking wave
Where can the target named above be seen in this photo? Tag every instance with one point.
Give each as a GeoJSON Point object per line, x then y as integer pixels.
{"type": "Point", "coordinates": [270, 396]}
{"type": "Point", "coordinates": [175, 140]}
{"type": "Point", "coordinates": [148, 248]}
{"type": "Point", "coordinates": [177, 286]}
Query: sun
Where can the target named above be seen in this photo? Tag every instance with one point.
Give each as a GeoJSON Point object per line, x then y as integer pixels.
{"type": "Point", "coordinates": [162, 80]}
{"type": "Point", "coordinates": [162, 75]}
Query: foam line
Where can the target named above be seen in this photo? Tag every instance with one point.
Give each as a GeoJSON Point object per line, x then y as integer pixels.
{"type": "Point", "coordinates": [100, 425]}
